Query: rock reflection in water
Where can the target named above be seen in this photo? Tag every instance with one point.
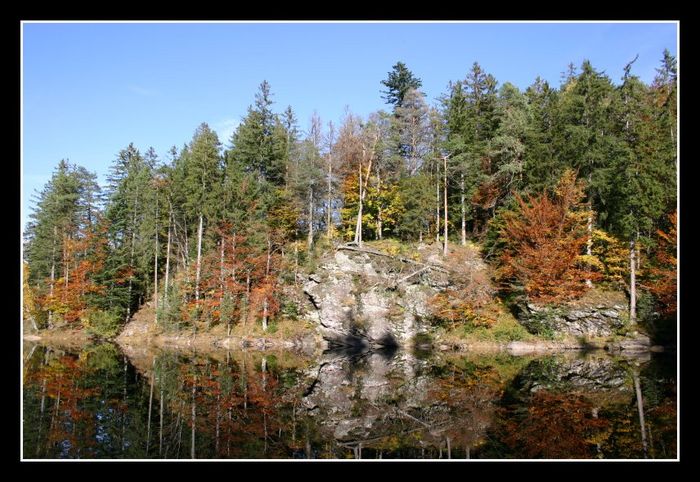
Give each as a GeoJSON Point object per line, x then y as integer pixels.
{"type": "Point", "coordinates": [386, 403]}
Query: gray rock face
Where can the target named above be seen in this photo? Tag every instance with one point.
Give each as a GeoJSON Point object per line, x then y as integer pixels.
{"type": "Point", "coordinates": [357, 299]}
{"type": "Point", "coordinates": [356, 393]}
{"type": "Point", "coordinates": [634, 343]}
{"type": "Point", "coordinates": [593, 374]}
{"type": "Point", "coordinates": [597, 320]}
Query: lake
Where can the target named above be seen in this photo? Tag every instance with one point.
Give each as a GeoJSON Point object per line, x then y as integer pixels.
{"type": "Point", "coordinates": [98, 402]}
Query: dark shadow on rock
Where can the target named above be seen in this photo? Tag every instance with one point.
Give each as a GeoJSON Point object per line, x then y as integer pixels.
{"type": "Point", "coordinates": [387, 340]}
{"type": "Point", "coordinates": [387, 352]}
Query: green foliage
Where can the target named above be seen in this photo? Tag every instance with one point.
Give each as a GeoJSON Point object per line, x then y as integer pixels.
{"type": "Point", "coordinates": [103, 357]}
{"type": "Point", "coordinates": [417, 206]}
{"type": "Point", "coordinates": [259, 144]}
{"type": "Point", "coordinates": [539, 323]}
{"type": "Point", "coordinates": [170, 315]}
{"type": "Point", "coordinates": [104, 324]}
{"type": "Point", "coordinates": [398, 82]}
{"type": "Point", "coordinates": [290, 309]}
{"type": "Point", "coordinates": [509, 331]}
{"type": "Point", "coordinates": [504, 330]}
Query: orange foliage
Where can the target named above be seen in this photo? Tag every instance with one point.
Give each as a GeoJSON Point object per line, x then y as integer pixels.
{"type": "Point", "coordinates": [62, 382]}
{"type": "Point", "coordinates": [84, 257]}
{"type": "Point", "coordinates": [229, 276]}
{"type": "Point", "coordinates": [544, 239]}
{"type": "Point", "coordinates": [486, 195]}
{"type": "Point", "coordinates": [664, 275]}
{"type": "Point", "coordinates": [555, 426]}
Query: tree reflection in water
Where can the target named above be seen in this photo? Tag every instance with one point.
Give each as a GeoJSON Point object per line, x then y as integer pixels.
{"type": "Point", "coordinates": [99, 403]}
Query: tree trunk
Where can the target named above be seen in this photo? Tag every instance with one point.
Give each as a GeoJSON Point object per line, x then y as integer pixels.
{"type": "Point", "coordinates": [363, 192]}
{"type": "Point", "coordinates": [264, 317]}
{"type": "Point", "coordinates": [247, 298]}
{"type": "Point", "coordinates": [444, 248]}
{"type": "Point", "coordinates": [221, 271]}
{"type": "Point", "coordinates": [269, 255]}
{"type": "Point", "coordinates": [167, 264]}
{"type": "Point", "coordinates": [589, 241]}
{"type": "Point", "coordinates": [640, 409]}
{"type": "Point", "coordinates": [218, 417]}
{"type": "Point", "coordinates": [329, 200]}
{"type": "Point", "coordinates": [131, 276]}
{"type": "Point", "coordinates": [199, 257]}
{"type": "Point", "coordinates": [131, 258]}
{"type": "Point", "coordinates": [41, 415]}
{"type": "Point", "coordinates": [123, 415]}
{"type": "Point", "coordinates": [358, 224]}
{"type": "Point", "coordinates": [633, 284]}
{"type": "Point", "coordinates": [150, 406]}
{"type": "Point", "coordinates": [379, 209]}
{"type": "Point", "coordinates": [186, 255]}
{"type": "Point", "coordinates": [437, 204]}
{"type": "Point", "coordinates": [310, 238]}
{"type": "Point", "coordinates": [464, 210]}
{"type": "Point", "coordinates": [65, 267]}
{"type": "Point", "coordinates": [267, 274]}
{"type": "Point", "coordinates": [296, 262]}
{"type": "Point", "coordinates": [233, 257]}
{"type": "Point", "coordinates": [155, 269]}
{"type": "Point", "coordinates": [194, 419]}
{"type": "Point", "coordinates": [263, 373]}
{"type": "Point", "coordinates": [53, 272]}
{"type": "Point", "coordinates": [160, 436]}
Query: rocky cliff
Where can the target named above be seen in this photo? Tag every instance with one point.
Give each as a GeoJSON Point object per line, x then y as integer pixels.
{"type": "Point", "coordinates": [367, 298]}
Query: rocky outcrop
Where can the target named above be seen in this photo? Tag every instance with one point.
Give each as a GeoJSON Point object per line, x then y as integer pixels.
{"type": "Point", "coordinates": [600, 373]}
{"type": "Point", "coordinates": [597, 316]}
{"type": "Point", "coordinates": [633, 343]}
{"type": "Point", "coordinates": [362, 299]}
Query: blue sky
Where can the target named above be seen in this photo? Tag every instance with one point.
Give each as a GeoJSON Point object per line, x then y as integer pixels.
{"type": "Point", "coordinates": [90, 89]}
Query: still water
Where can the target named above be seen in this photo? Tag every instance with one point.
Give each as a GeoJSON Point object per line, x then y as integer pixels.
{"type": "Point", "coordinates": [97, 402]}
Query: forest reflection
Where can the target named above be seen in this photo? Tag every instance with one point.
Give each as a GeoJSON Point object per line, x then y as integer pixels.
{"type": "Point", "coordinates": [98, 402]}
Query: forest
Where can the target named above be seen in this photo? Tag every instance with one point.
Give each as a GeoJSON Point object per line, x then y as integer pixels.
{"type": "Point", "coordinates": [560, 188]}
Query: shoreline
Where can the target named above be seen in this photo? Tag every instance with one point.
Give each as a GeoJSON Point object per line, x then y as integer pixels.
{"type": "Point", "coordinates": [312, 343]}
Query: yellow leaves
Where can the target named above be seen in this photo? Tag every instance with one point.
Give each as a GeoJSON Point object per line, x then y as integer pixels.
{"type": "Point", "coordinates": [613, 255]}
{"type": "Point", "coordinates": [28, 299]}
{"type": "Point", "coordinates": [591, 261]}
{"type": "Point", "coordinates": [451, 307]}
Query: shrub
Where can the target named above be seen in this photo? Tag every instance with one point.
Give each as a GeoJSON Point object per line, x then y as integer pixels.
{"type": "Point", "coordinates": [104, 324]}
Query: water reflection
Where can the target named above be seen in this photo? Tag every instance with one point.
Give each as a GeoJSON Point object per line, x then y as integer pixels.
{"type": "Point", "coordinates": [101, 403]}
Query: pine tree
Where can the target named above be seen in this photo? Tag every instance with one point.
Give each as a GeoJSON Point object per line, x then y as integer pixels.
{"type": "Point", "coordinates": [256, 144]}
{"type": "Point", "coordinates": [541, 164]}
{"type": "Point", "coordinates": [398, 83]}
{"type": "Point", "coordinates": [64, 216]}
{"type": "Point", "coordinates": [411, 128]}
{"type": "Point", "coordinates": [203, 184]}
{"type": "Point", "coordinates": [126, 206]}
{"type": "Point", "coordinates": [643, 180]}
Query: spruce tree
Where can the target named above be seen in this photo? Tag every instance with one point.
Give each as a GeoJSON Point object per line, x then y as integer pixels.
{"type": "Point", "coordinates": [398, 82]}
